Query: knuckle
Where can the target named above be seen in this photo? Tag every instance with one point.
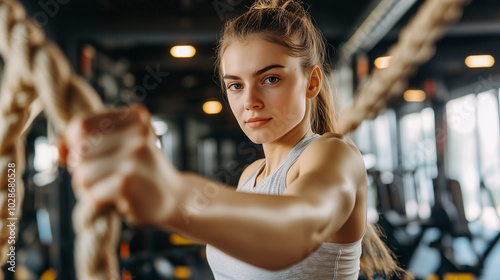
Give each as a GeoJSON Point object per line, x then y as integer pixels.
{"type": "Point", "coordinates": [144, 130]}
{"type": "Point", "coordinates": [83, 148]}
{"type": "Point", "coordinates": [140, 149]}
{"type": "Point", "coordinates": [135, 113]}
{"type": "Point", "coordinates": [75, 129]}
{"type": "Point", "coordinates": [86, 126]}
{"type": "Point", "coordinates": [145, 115]}
{"type": "Point", "coordinates": [125, 183]}
{"type": "Point", "coordinates": [127, 173]}
{"type": "Point", "coordinates": [142, 114]}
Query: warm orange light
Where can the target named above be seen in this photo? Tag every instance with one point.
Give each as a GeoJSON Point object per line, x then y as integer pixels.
{"type": "Point", "coordinates": [414, 95]}
{"type": "Point", "coordinates": [182, 272]}
{"type": "Point", "coordinates": [182, 51]}
{"type": "Point", "coordinates": [126, 275]}
{"type": "Point", "coordinates": [479, 61]}
{"type": "Point", "coordinates": [180, 240]}
{"type": "Point", "coordinates": [383, 62]}
{"type": "Point", "coordinates": [49, 274]}
{"type": "Point", "coordinates": [124, 250]}
{"type": "Point", "coordinates": [212, 107]}
{"type": "Point", "coordinates": [459, 276]}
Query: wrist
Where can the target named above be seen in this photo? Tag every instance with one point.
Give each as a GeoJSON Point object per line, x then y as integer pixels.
{"type": "Point", "coordinates": [192, 204]}
{"type": "Point", "coordinates": [174, 199]}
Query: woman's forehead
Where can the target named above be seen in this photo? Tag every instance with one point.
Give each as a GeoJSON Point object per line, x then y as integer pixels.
{"type": "Point", "coordinates": [252, 55]}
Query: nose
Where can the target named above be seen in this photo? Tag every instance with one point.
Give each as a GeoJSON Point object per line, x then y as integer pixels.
{"type": "Point", "coordinates": [253, 100]}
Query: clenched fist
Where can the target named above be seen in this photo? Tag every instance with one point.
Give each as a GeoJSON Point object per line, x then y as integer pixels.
{"type": "Point", "coordinates": [114, 161]}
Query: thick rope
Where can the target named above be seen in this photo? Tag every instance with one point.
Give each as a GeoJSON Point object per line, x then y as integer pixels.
{"type": "Point", "coordinates": [416, 45]}
{"type": "Point", "coordinates": [36, 68]}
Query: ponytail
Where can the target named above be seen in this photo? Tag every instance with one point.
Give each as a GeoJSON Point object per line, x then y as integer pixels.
{"type": "Point", "coordinates": [377, 258]}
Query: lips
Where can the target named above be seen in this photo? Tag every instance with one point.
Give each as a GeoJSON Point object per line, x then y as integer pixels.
{"type": "Point", "coordinates": [256, 122]}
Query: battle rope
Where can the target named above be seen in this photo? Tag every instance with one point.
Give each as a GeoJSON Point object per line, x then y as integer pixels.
{"type": "Point", "coordinates": [416, 45]}
{"type": "Point", "coordinates": [36, 68]}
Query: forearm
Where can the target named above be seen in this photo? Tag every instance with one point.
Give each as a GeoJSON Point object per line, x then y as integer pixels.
{"type": "Point", "coordinates": [264, 230]}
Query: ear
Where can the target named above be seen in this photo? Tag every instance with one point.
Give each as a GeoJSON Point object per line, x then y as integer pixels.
{"type": "Point", "coordinates": [314, 82]}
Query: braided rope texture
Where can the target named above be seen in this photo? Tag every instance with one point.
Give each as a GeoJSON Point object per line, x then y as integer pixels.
{"type": "Point", "coordinates": [416, 45]}
{"type": "Point", "coordinates": [36, 69]}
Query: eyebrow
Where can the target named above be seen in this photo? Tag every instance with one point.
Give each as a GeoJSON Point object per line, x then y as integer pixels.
{"type": "Point", "coordinates": [256, 73]}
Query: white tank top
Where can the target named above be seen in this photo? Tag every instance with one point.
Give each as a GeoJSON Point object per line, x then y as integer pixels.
{"type": "Point", "coordinates": [329, 261]}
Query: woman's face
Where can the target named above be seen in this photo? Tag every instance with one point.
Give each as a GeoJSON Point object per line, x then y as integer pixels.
{"type": "Point", "coordinates": [266, 89]}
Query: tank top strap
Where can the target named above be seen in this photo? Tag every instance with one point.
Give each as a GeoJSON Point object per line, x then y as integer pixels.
{"type": "Point", "coordinates": [297, 151]}
{"type": "Point", "coordinates": [275, 183]}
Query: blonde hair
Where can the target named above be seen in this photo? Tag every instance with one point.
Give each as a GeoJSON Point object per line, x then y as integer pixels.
{"type": "Point", "coordinates": [288, 24]}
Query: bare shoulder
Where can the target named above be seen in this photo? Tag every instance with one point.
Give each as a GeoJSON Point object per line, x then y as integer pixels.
{"type": "Point", "coordinates": [339, 139]}
{"type": "Point", "coordinates": [332, 142]}
{"type": "Point", "coordinates": [330, 153]}
{"type": "Point", "coordinates": [251, 168]}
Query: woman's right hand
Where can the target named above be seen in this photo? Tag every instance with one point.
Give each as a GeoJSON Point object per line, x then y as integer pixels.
{"type": "Point", "coordinates": [114, 161]}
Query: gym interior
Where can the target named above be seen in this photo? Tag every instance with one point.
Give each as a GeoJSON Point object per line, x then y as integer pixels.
{"type": "Point", "coordinates": [432, 151]}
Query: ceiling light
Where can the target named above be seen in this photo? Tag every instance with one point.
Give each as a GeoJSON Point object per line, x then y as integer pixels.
{"type": "Point", "coordinates": [414, 95]}
{"type": "Point", "coordinates": [479, 61]}
{"type": "Point", "coordinates": [383, 62]}
{"type": "Point", "coordinates": [212, 107]}
{"type": "Point", "coordinates": [183, 51]}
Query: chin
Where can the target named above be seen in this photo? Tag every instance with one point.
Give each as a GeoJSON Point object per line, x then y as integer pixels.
{"type": "Point", "coordinates": [262, 136]}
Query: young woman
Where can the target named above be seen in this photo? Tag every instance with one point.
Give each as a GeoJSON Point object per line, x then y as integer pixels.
{"type": "Point", "coordinates": [299, 213]}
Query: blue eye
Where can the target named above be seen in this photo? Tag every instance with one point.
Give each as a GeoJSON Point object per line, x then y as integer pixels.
{"type": "Point", "coordinates": [235, 87]}
{"type": "Point", "coordinates": [271, 80]}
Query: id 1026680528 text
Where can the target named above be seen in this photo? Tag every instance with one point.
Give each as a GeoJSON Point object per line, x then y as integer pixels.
{"type": "Point", "coordinates": [11, 221]}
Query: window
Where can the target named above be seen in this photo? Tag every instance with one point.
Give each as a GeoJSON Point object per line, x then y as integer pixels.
{"type": "Point", "coordinates": [489, 147]}
{"type": "Point", "coordinates": [418, 154]}
{"type": "Point", "coordinates": [474, 148]}
{"type": "Point", "coordinates": [385, 140]}
{"type": "Point", "coordinates": [376, 140]}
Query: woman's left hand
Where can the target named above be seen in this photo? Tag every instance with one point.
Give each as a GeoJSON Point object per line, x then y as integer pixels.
{"type": "Point", "coordinates": [114, 161]}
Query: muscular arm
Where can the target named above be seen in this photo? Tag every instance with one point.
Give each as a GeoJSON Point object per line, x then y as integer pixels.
{"type": "Point", "coordinates": [274, 232]}
{"type": "Point", "coordinates": [200, 198]}
{"type": "Point", "coordinates": [123, 168]}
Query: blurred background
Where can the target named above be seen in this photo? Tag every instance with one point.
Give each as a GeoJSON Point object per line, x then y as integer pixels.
{"type": "Point", "coordinates": [433, 157]}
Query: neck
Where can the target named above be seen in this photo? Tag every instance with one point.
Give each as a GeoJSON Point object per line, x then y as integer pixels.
{"type": "Point", "coordinates": [276, 151]}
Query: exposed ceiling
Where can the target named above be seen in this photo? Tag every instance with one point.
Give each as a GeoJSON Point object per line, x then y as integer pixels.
{"type": "Point", "coordinates": [478, 32]}
{"type": "Point", "coordinates": [141, 33]}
